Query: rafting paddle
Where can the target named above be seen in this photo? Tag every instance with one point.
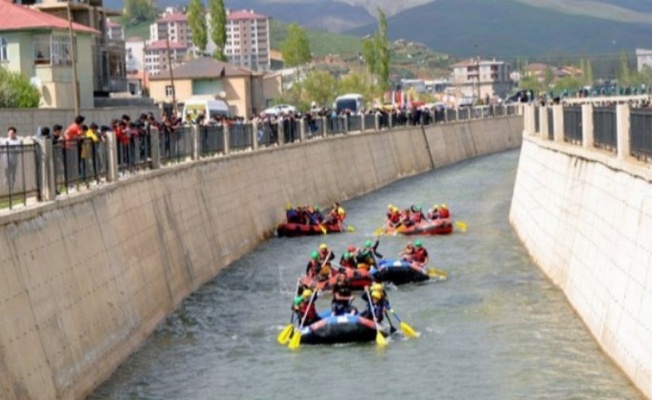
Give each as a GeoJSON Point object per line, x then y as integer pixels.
{"type": "Point", "coordinates": [437, 273]}
{"type": "Point", "coordinates": [380, 339]}
{"type": "Point", "coordinates": [461, 225]}
{"type": "Point", "coordinates": [407, 329]}
{"type": "Point", "coordinates": [286, 333]}
{"type": "Point", "coordinates": [295, 342]}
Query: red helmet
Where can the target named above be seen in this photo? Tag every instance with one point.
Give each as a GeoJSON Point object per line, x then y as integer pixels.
{"type": "Point", "coordinates": [351, 249]}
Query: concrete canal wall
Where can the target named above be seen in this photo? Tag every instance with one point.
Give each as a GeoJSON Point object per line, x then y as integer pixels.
{"type": "Point", "coordinates": [85, 279]}
{"type": "Point", "coordinates": [585, 216]}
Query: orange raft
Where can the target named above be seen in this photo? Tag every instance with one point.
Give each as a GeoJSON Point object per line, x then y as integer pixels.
{"type": "Point", "coordinates": [440, 226]}
{"type": "Point", "coordinates": [357, 279]}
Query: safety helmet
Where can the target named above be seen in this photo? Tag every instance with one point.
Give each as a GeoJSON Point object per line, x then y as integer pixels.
{"type": "Point", "coordinates": [444, 206]}
{"type": "Point", "coordinates": [418, 243]}
{"type": "Point", "coordinates": [323, 246]}
{"type": "Point", "coordinates": [341, 211]}
{"type": "Point", "coordinates": [376, 295]}
{"type": "Point", "coordinates": [298, 300]}
{"type": "Point", "coordinates": [390, 206]}
{"type": "Point", "coordinates": [316, 208]}
{"type": "Point", "coordinates": [306, 293]}
{"type": "Point", "coordinates": [351, 249]}
{"type": "Point", "coordinates": [368, 243]}
{"type": "Point", "coordinates": [314, 255]}
{"type": "Point", "coordinates": [435, 206]}
{"type": "Point", "coordinates": [347, 255]}
{"type": "Point", "coordinates": [377, 287]}
{"type": "Point", "coordinates": [288, 206]}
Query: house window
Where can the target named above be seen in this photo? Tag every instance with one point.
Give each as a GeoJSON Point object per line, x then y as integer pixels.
{"type": "Point", "coordinates": [169, 91]}
{"type": "Point", "coordinates": [52, 50]}
{"type": "Point", "coordinates": [4, 56]}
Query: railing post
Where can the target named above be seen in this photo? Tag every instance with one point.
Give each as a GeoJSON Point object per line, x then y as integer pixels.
{"type": "Point", "coordinates": [281, 131]}
{"type": "Point", "coordinates": [623, 134]}
{"type": "Point", "coordinates": [345, 121]}
{"type": "Point", "coordinates": [322, 130]}
{"type": "Point", "coordinates": [558, 120]}
{"type": "Point", "coordinates": [227, 138]}
{"type": "Point", "coordinates": [112, 159]}
{"type": "Point", "coordinates": [587, 126]}
{"type": "Point", "coordinates": [194, 140]}
{"type": "Point", "coordinates": [362, 122]}
{"type": "Point", "coordinates": [377, 121]}
{"type": "Point", "coordinates": [254, 134]}
{"type": "Point", "coordinates": [48, 186]}
{"type": "Point", "coordinates": [155, 143]}
{"type": "Point", "coordinates": [302, 130]}
{"type": "Point", "coordinates": [528, 119]}
{"type": "Point", "coordinates": [543, 123]}
{"type": "Point", "coordinates": [390, 120]}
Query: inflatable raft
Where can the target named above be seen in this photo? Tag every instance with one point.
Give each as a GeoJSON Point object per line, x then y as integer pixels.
{"type": "Point", "coordinates": [428, 227]}
{"type": "Point", "coordinates": [399, 272]}
{"type": "Point", "coordinates": [294, 229]}
{"type": "Point", "coordinates": [358, 279]}
{"type": "Point", "coordinates": [340, 329]}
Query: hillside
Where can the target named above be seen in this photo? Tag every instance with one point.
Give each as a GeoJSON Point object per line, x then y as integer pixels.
{"type": "Point", "coordinates": [321, 42]}
{"type": "Point", "coordinates": [506, 29]}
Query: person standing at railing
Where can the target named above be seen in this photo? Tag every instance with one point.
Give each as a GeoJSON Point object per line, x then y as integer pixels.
{"type": "Point", "coordinates": [89, 149]}
{"type": "Point", "coordinates": [10, 157]}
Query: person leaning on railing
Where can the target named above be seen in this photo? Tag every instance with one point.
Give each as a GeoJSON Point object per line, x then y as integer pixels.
{"type": "Point", "coordinates": [10, 157]}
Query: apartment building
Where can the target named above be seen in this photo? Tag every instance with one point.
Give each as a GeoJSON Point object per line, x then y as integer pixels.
{"type": "Point", "coordinates": [156, 56]}
{"type": "Point", "coordinates": [247, 39]}
{"type": "Point", "coordinates": [476, 77]}
{"type": "Point", "coordinates": [172, 25]}
{"type": "Point", "coordinates": [114, 31]}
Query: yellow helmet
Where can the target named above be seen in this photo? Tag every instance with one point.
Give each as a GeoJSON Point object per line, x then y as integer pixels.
{"type": "Point", "coordinates": [306, 293]}
{"type": "Point", "coordinates": [376, 295]}
{"type": "Point", "coordinates": [323, 246]}
{"type": "Point", "coordinates": [341, 211]}
{"type": "Point", "coordinates": [377, 286]}
{"type": "Point", "coordinates": [435, 206]}
{"type": "Point", "coordinates": [390, 206]}
{"type": "Point", "coordinates": [444, 206]}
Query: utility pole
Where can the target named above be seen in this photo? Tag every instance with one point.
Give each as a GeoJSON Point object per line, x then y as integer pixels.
{"type": "Point", "coordinates": [174, 90]}
{"type": "Point", "coordinates": [477, 63]}
{"type": "Point", "coordinates": [73, 61]}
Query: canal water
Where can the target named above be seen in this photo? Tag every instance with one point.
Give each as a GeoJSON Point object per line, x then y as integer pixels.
{"type": "Point", "coordinates": [496, 329]}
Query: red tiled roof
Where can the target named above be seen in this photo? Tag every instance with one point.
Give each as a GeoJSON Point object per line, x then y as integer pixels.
{"type": "Point", "coordinates": [174, 17]}
{"type": "Point", "coordinates": [244, 14]}
{"type": "Point", "coordinates": [466, 63]}
{"type": "Point", "coordinates": [111, 24]}
{"type": "Point", "coordinates": [162, 44]}
{"type": "Point", "coordinates": [14, 17]}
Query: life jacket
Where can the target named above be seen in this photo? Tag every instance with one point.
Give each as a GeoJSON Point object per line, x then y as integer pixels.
{"type": "Point", "coordinates": [420, 255]}
{"type": "Point", "coordinates": [444, 213]}
{"type": "Point", "coordinates": [394, 217]}
{"type": "Point", "coordinates": [309, 312]}
{"type": "Point", "coordinates": [416, 217]}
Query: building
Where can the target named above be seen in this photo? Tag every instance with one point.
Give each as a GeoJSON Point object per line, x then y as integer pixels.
{"type": "Point", "coordinates": [37, 45]}
{"type": "Point", "coordinates": [135, 54]}
{"type": "Point", "coordinates": [247, 36]}
{"type": "Point", "coordinates": [246, 92]}
{"type": "Point", "coordinates": [247, 39]}
{"type": "Point", "coordinates": [114, 31]}
{"type": "Point", "coordinates": [172, 25]}
{"type": "Point", "coordinates": [475, 77]}
{"type": "Point", "coordinates": [541, 72]}
{"type": "Point", "coordinates": [643, 59]}
{"type": "Point", "coordinates": [156, 56]}
{"type": "Point", "coordinates": [107, 55]}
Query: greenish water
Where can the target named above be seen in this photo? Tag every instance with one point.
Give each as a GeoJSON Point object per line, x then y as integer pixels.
{"type": "Point", "coordinates": [497, 329]}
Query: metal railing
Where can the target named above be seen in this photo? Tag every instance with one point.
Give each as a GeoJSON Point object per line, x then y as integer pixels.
{"type": "Point", "coordinates": [354, 123]}
{"type": "Point", "coordinates": [240, 137]}
{"type": "Point", "coordinates": [78, 163]}
{"type": "Point", "coordinates": [334, 125]}
{"type": "Point", "coordinates": [537, 123]}
{"type": "Point", "coordinates": [573, 125]}
{"type": "Point", "coordinates": [551, 123]}
{"type": "Point", "coordinates": [641, 134]}
{"type": "Point", "coordinates": [604, 128]}
{"type": "Point", "coordinates": [370, 122]}
{"type": "Point", "coordinates": [211, 140]}
{"type": "Point", "coordinates": [19, 174]}
{"type": "Point", "coordinates": [267, 133]}
{"type": "Point", "coordinates": [175, 144]}
{"type": "Point", "coordinates": [134, 152]}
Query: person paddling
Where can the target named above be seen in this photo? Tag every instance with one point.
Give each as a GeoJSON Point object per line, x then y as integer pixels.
{"type": "Point", "coordinates": [304, 307]}
{"type": "Point", "coordinates": [375, 308]}
{"type": "Point", "coordinates": [313, 267]}
{"type": "Point", "coordinates": [420, 254]}
{"type": "Point", "coordinates": [347, 261]}
{"type": "Point", "coordinates": [408, 253]}
{"type": "Point", "coordinates": [325, 254]}
{"type": "Point", "coordinates": [342, 297]}
{"type": "Point", "coordinates": [369, 253]}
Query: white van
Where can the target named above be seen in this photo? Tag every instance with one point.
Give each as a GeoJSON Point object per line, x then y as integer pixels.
{"type": "Point", "coordinates": [352, 102]}
{"type": "Point", "coordinates": [209, 107]}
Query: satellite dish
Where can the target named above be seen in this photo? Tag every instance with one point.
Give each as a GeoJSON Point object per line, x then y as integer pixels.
{"type": "Point", "coordinates": [222, 95]}
{"type": "Point", "coordinates": [36, 82]}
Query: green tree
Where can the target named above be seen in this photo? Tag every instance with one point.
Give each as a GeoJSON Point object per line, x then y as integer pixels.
{"type": "Point", "coordinates": [197, 24]}
{"type": "Point", "coordinates": [568, 84]}
{"type": "Point", "coordinates": [357, 82]}
{"type": "Point", "coordinates": [382, 52]}
{"type": "Point", "coordinates": [137, 12]}
{"type": "Point", "coordinates": [587, 72]}
{"type": "Point", "coordinates": [369, 55]}
{"type": "Point", "coordinates": [625, 74]}
{"type": "Point", "coordinates": [16, 91]}
{"type": "Point", "coordinates": [530, 83]}
{"type": "Point", "coordinates": [296, 47]}
{"type": "Point", "coordinates": [218, 27]}
{"type": "Point", "coordinates": [548, 77]}
{"type": "Point", "coordinates": [321, 87]}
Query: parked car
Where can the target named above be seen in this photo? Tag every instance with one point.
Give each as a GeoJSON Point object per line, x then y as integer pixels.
{"type": "Point", "coordinates": [280, 109]}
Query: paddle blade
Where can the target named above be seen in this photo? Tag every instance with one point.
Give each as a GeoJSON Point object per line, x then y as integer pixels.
{"type": "Point", "coordinates": [323, 229]}
{"type": "Point", "coordinates": [380, 339]}
{"type": "Point", "coordinates": [295, 342]}
{"type": "Point", "coordinates": [350, 228]}
{"type": "Point", "coordinates": [461, 225]}
{"type": "Point", "coordinates": [379, 231]}
{"type": "Point", "coordinates": [439, 274]}
{"type": "Point", "coordinates": [408, 331]}
{"type": "Point", "coordinates": [285, 334]}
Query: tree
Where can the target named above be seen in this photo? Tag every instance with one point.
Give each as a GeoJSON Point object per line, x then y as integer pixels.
{"type": "Point", "coordinates": [382, 52]}
{"type": "Point", "coordinates": [218, 27]}
{"type": "Point", "coordinates": [138, 11]}
{"type": "Point", "coordinates": [321, 87]}
{"type": "Point", "coordinates": [625, 75]}
{"type": "Point", "coordinates": [548, 77]}
{"type": "Point", "coordinates": [587, 72]}
{"type": "Point", "coordinates": [197, 24]}
{"type": "Point", "coordinates": [16, 91]}
{"type": "Point", "coordinates": [296, 47]}
{"type": "Point", "coordinates": [568, 84]}
{"type": "Point", "coordinates": [530, 83]}
{"type": "Point", "coordinates": [369, 55]}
